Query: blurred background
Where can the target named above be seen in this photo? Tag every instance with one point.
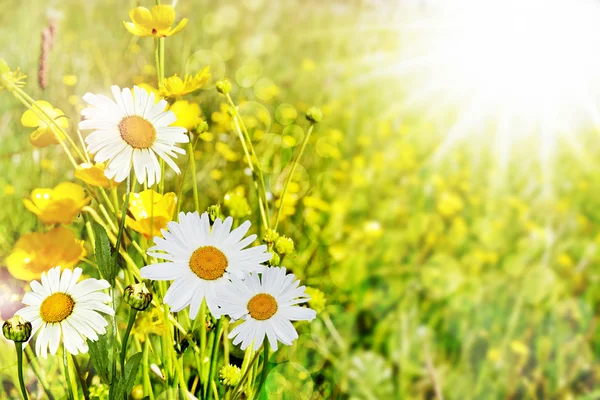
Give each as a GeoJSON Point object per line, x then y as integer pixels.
{"type": "Point", "coordinates": [445, 207]}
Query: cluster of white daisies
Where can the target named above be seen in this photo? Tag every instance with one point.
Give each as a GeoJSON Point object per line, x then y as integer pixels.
{"type": "Point", "coordinates": [211, 264]}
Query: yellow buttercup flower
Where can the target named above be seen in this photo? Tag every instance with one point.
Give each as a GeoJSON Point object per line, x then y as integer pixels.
{"type": "Point", "coordinates": [174, 86]}
{"type": "Point", "coordinates": [38, 252]}
{"type": "Point", "coordinates": [59, 205]}
{"type": "Point", "coordinates": [93, 174]}
{"type": "Point", "coordinates": [188, 114]}
{"type": "Point", "coordinates": [43, 135]}
{"type": "Point", "coordinates": [147, 219]}
{"type": "Point", "coordinates": [155, 22]}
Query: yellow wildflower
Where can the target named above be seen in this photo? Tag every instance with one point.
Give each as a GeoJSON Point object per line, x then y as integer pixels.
{"type": "Point", "coordinates": [8, 77]}
{"type": "Point", "coordinates": [449, 204]}
{"type": "Point", "coordinates": [236, 203]}
{"type": "Point", "coordinates": [151, 212]}
{"type": "Point", "coordinates": [317, 299]}
{"type": "Point", "coordinates": [37, 252]}
{"type": "Point", "coordinates": [93, 174]}
{"type": "Point", "coordinates": [9, 190]}
{"type": "Point", "coordinates": [70, 80]}
{"type": "Point", "coordinates": [222, 119]}
{"type": "Point", "coordinates": [188, 114]}
{"type": "Point", "coordinates": [224, 150]}
{"type": "Point", "coordinates": [174, 86]}
{"type": "Point", "coordinates": [59, 205]}
{"type": "Point", "coordinates": [155, 22]}
{"type": "Point", "coordinates": [43, 135]}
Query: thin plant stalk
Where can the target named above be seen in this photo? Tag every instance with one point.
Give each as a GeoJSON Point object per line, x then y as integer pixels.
{"type": "Point", "coordinates": [132, 314]}
{"type": "Point", "coordinates": [70, 391]}
{"type": "Point", "coordinates": [214, 355]}
{"type": "Point", "coordinates": [19, 348]}
{"type": "Point", "coordinates": [260, 182]}
{"type": "Point", "coordinates": [265, 368]}
{"type": "Point", "coordinates": [291, 174]}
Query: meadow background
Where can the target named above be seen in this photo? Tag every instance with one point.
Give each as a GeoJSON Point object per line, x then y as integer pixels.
{"type": "Point", "coordinates": [460, 278]}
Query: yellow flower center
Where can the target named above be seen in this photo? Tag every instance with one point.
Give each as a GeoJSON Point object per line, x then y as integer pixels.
{"type": "Point", "coordinates": [208, 262]}
{"type": "Point", "coordinates": [137, 132]}
{"type": "Point", "coordinates": [57, 307]}
{"type": "Point", "coordinates": [262, 306]}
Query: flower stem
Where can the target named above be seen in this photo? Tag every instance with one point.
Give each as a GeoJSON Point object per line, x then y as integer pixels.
{"type": "Point", "coordinates": [70, 391]}
{"type": "Point", "coordinates": [244, 377]}
{"type": "Point", "coordinates": [194, 177]}
{"type": "Point", "coordinates": [214, 355]}
{"type": "Point", "coordinates": [19, 348]}
{"type": "Point", "coordinates": [291, 174]}
{"type": "Point", "coordinates": [257, 175]}
{"type": "Point", "coordinates": [265, 368]}
{"type": "Point", "coordinates": [132, 314]}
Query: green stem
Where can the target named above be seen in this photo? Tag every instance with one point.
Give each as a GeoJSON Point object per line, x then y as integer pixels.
{"type": "Point", "coordinates": [84, 386]}
{"type": "Point", "coordinates": [214, 355]}
{"type": "Point", "coordinates": [132, 314]}
{"type": "Point", "coordinates": [146, 371]}
{"type": "Point", "coordinates": [19, 348]}
{"type": "Point", "coordinates": [70, 392]}
{"type": "Point", "coordinates": [265, 368]}
{"type": "Point", "coordinates": [291, 174]}
{"type": "Point", "coordinates": [245, 376]}
{"type": "Point", "coordinates": [256, 169]}
{"type": "Point", "coordinates": [194, 177]}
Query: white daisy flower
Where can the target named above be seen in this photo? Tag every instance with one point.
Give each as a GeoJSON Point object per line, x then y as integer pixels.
{"type": "Point", "coordinates": [201, 260]}
{"type": "Point", "coordinates": [132, 132]}
{"type": "Point", "coordinates": [61, 308]}
{"type": "Point", "coordinates": [267, 306]}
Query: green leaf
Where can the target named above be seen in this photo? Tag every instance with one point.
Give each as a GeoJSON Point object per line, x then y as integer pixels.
{"type": "Point", "coordinates": [106, 263]}
{"type": "Point", "coordinates": [127, 381]}
{"type": "Point", "coordinates": [99, 356]}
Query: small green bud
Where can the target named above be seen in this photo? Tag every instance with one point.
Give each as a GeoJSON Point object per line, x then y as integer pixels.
{"type": "Point", "coordinates": [137, 296]}
{"type": "Point", "coordinates": [270, 236]}
{"type": "Point", "coordinates": [224, 86]}
{"type": "Point", "coordinates": [202, 127]}
{"type": "Point", "coordinates": [215, 212]}
{"type": "Point", "coordinates": [230, 375]}
{"type": "Point", "coordinates": [284, 245]}
{"type": "Point", "coordinates": [275, 259]}
{"type": "Point", "coordinates": [17, 329]}
{"type": "Point", "coordinates": [314, 115]}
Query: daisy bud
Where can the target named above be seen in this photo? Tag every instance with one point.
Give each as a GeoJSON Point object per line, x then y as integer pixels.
{"type": "Point", "coordinates": [215, 212]}
{"type": "Point", "coordinates": [224, 86]}
{"type": "Point", "coordinates": [230, 375]}
{"type": "Point", "coordinates": [17, 329]}
{"type": "Point", "coordinates": [270, 236]}
{"type": "Point", "coordinates": [284, 245]}
{"type": "Point", "coordinates": [314, 115]}
{"type": "Point", "coordinates": [137, 296]}
{"type": "Point", "coordinates": [275, 259]}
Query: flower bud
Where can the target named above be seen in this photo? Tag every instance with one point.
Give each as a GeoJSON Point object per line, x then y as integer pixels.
{"type": "Point", "coordinates": [284, 245]}
{"type": "Point", "coordinates": [230, 375]}
{"type": "Point", "coordinates": [224, 86]}
{"type": "Point", "coordinates": [202, 127]}
{"type": "Point", "coordinates": [317, 299]}
{"type": "Point", "coordinates": [137, 296]}
{"type": "Point", "coordinates": [215, 212]}
{"type": "Point", "coordinates": [270, 236]}
{"type": "Point", "coordinates": [17, 329]}
{"type": "Point", "coordinates": [314, 115]}
{"type": "Point", "coordinates": [275, 259]}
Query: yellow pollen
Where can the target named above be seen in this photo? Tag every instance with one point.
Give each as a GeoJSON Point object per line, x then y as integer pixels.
{"type": "Point", "coordinates": [57, 307]}
{"type": "Point", "coordinates": [262, 306]}
{"type": "Point", "coordinates": [208, 262]}
{"type": "Point", "coordinates": [137, 132]}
